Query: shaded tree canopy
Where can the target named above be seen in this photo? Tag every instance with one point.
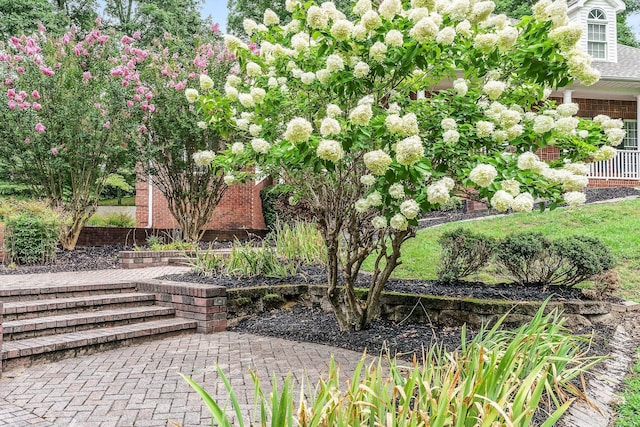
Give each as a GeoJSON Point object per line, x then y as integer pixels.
{"type": "Point", "coordinates": [153, 18]}
{"type": "Point", "coordinates": [254, 9]}
{"type": "Point", "coordinates": [22, 17]}
{"type": "Point", "coordinates": [519, 8]}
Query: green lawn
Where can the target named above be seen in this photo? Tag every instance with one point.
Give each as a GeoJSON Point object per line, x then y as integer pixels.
{"type": "Point", "coordinates": [126, 201]}
{"type": "Point", "coordinates": [617, 224]}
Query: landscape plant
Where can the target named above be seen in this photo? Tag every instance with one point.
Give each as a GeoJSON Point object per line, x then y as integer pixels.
{"type": "Point", "coordinates": [114, 219]}
{"type": "Point", "coordinates": [65, 123]}
{"type": "Point", "coordinates": [31, 232]}
{"type": "Point", "coordinates": [175, 145]}
{"type": "Point", "coordinates": [463, 253]}
{"type": "Point", "coordinates": [530, 258]}
{"type": "Point", "coordinates": [380, 118]}
{"type": "Point", "coordinates": [498, 378]}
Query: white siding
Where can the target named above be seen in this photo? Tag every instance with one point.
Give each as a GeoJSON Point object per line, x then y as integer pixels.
{"type": "Point", "coordinates": [580, 15]}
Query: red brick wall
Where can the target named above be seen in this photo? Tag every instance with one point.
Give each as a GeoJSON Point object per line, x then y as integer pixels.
{"type": "Point", "coordinates": [612, 108]}
{"type": "Point", "coordinates": [239, 208]}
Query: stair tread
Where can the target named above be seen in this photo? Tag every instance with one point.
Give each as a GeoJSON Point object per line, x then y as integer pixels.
{"type": "Point", "coordinates": [20, 290]}
{"type": "Point", "coordinates": [39, 345]}
{"type": "Point", "coordinates": [86, 317]}
{"type": "Point", "coordinates": [142, 296]}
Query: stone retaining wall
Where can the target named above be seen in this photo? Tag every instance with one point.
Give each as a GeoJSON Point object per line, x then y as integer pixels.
{"type": "Point", "coordinates": [243, 302]}
{"type": "Point", "coordinates": [141, 259]}
{"type": "Point", "coordinates": [206, 304]}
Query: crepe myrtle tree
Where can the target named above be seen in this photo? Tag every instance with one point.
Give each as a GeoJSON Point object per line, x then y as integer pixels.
{"type": "Point", "coordinates": [65, 125]}
{"type": "Point", "coordinates": [329, 103]}
{"type": "Point", "coordinates": [172, 131]}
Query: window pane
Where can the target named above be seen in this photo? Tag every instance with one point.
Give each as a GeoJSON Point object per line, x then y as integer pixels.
{"type": "Point", "coordinates": [597, 14]}
{"type": "Point", "coordinates": [630, 141]}
{"type": "Point", "coordinates": [597, 49]}
{"type": "Point", "coordinates": [597, 32]}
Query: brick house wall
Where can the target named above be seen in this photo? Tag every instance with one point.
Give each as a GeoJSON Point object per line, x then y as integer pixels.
{"type": "Point", "coordinates": [240, 208]}
{"type": "Point", "coordinates": [590, 108]}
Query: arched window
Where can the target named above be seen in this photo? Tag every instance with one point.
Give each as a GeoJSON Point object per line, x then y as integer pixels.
{"type": "Point", "coordinates": [597, 34]}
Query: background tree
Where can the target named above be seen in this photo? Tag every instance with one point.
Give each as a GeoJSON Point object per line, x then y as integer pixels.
{"type": "Point", "coordinates": [173, 131]}
{"type": "Point", "coordinates": [518, 8]}
{"type": "Point", "coordinates": [330, 109]}
{"type": "Point", "coordinates": [22, 17]}
{"type": "Point", "coordinates": [64, 121]}
{"type": "Point", "coordinates": [239, 10]}
{"type": "Point", "coordinates": [81, 13]}
{"type": "Point", "coordinates": [152, 18]}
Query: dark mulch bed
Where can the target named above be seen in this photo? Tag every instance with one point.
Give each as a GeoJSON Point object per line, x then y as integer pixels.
{"type": "Point", "coordinates": [461, 289]}
{"type": "Point", "coordinates": [303, 323]}
{"type": "Point", "coordinates": [80, 259]}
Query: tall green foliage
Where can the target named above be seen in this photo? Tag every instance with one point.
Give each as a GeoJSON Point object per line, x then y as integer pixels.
{"type": "Point", "coordinates": [65, 123]}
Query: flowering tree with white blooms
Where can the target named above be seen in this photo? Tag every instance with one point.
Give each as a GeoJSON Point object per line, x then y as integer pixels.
{"type": "Point", "coordinates": [331, 104]}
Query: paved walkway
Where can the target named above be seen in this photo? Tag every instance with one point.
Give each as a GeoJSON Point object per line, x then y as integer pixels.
{"type": "Point", "coordinates": [140, 385]}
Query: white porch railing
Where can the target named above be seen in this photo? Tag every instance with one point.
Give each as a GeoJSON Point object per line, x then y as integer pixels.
{"type": "Point", "coordinates": [625, 165]}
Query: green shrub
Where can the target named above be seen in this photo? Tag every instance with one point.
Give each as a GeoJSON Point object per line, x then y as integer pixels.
{"type": "Point", "coordinates": [299, 242]}
{"type": "Point", "coordinates": [277, 206]}
{"type": "Point", "coordinates": [582, 259]}
{"type": "Point", "coordinates": [499, 378]}
{"type": "Point", "coordinates": [31, 237]}
{"type": "Point", "coordinates": [114, 219]}
{"type": "Point", "coordinates": [532, 259]}
{"type": "Point", "coordinates": [463, 253]}
{"type": "Point", "coordinates": [453, 204]}
{"type": "Point", "coordinates": [527, 258]}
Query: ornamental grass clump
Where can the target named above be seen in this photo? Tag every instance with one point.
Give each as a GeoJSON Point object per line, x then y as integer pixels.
{"type": "Point", "coordinates": [299, 242]}
{"type": "Point", "coordinates": [327, 103]}
{"type": "Point", "coordinates": [249, 260]}
{"type": "Point", "coordinates": [498, 378]}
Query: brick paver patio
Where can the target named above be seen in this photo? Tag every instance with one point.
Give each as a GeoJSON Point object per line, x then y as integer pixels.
{"type": "Point", "coordinates": [140, 385]}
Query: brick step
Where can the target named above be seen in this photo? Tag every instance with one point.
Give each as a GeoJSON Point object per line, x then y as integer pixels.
{"type": "Point", "coordinates": [74, 322]}
{"type": "Point", "coordinates": [21, 310]}
{"type": "Point", "coordinates": [180, 261]}
{"type": "Point", "coordinates": [24, 293]}
{"type": "Point", "coordinates": [55, 347]}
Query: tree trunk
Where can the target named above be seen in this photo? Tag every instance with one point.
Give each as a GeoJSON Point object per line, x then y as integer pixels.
{"type": "Point", "coordinates": [70, 234]}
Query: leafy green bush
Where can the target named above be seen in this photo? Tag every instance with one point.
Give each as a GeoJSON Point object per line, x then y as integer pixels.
{"type": "Point", "coordinates": [277, 206]}
{"type": "Point", "coordinates": [532, 259]}
{"type": "Point", "coordinates": [582, 258]}
{"type": "Point", "coordinates": [496, 379]}
{"type": "Point", "coordinates": [463, 253]}
{"type": "Point", "coordinates": [31, 237]}
{"type": "Point", "coordinates": [114, 219]}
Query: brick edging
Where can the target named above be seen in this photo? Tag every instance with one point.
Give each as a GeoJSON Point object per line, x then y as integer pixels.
{"type": "Point", "coordinates": [206, 304]}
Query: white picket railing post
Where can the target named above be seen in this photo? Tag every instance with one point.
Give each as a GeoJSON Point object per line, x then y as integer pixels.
{"type": "Point", "coordinates": [625, 165]}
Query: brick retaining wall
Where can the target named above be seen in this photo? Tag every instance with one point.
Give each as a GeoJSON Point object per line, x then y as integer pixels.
{"type": "Point", "coordinates": [206, 304]}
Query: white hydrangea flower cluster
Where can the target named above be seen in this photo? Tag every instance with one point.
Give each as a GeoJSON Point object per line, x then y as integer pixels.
{"type": "Point", "coordinates": [341, 29]}
{"type": "Point", "coordinates": [377, 162]}
{"type": "Point", "coordinates": [409, 150]}
{"type": "Point", "coordinates": [484, 128]}
{"type": "Point", "coordinates": [425, 30]}
{"type": "Point", "coordinates": [494, 88]}
{"type": "Point", "coordinates": [361, 115]}
{"type": "Point", "coordinates": [237, 148]}
{"type": "Point", "coordinates": [378, 51]}
{"type": "Point", "coordinates": [394, 38]}
{"type": "Point", "coordinates": [203, 158]}
{"type": "Point", "coordinates": [461, 87]}
{"type": "Point", "coordinates": [483, 175]}
{"type": "Point", "coordinates": [543, 123]}
{"type": "Point", "coordinates": [404, 126]}
{"type": "Point", "coordinates": [501, 201]}
{"type": "Point", "coordinates": [298, 130]}
{"type": "Point", "coordinates": [446, 36]}
{"type": "Point", "coordinates": [259, 145]}
{"type": "Point", "coordinates": [451, 136]}
{"type": "Point", "coordinates": [522, 203]}
{"type": "Point", "coordinates": [604, 153]}
{"type": "Point", "coordinates": [574, 198]}
{"type": "Point", "coordinates": [329, 126]}
{"type": "Point", "coordinates": [191, 95]}
{"type": "Point", "coordinates": [396, 191]}
{"type": "Point", "coordinates": [206, 82]}
{"type": "Point", "coordinates": [330, 150]}
{"type": "Point", "coordinates": [361, 69]}
{"type": "Point", "coordinates": [368, 180]}
{"type": "Point", "coordinates": [439, 191]}
{"type": "Point", "coordinates": [270, 18]}
{"type": "Point", "coordinates": [409, 208]}
{"type": "Point", "coordinates": [333, 111]}
{"type": "Point", "coordinates": [511, 186]}
{"type": "Point", "coordinates": [370, 20]}
{"type": "Point", "coordinates": [399, 222]}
